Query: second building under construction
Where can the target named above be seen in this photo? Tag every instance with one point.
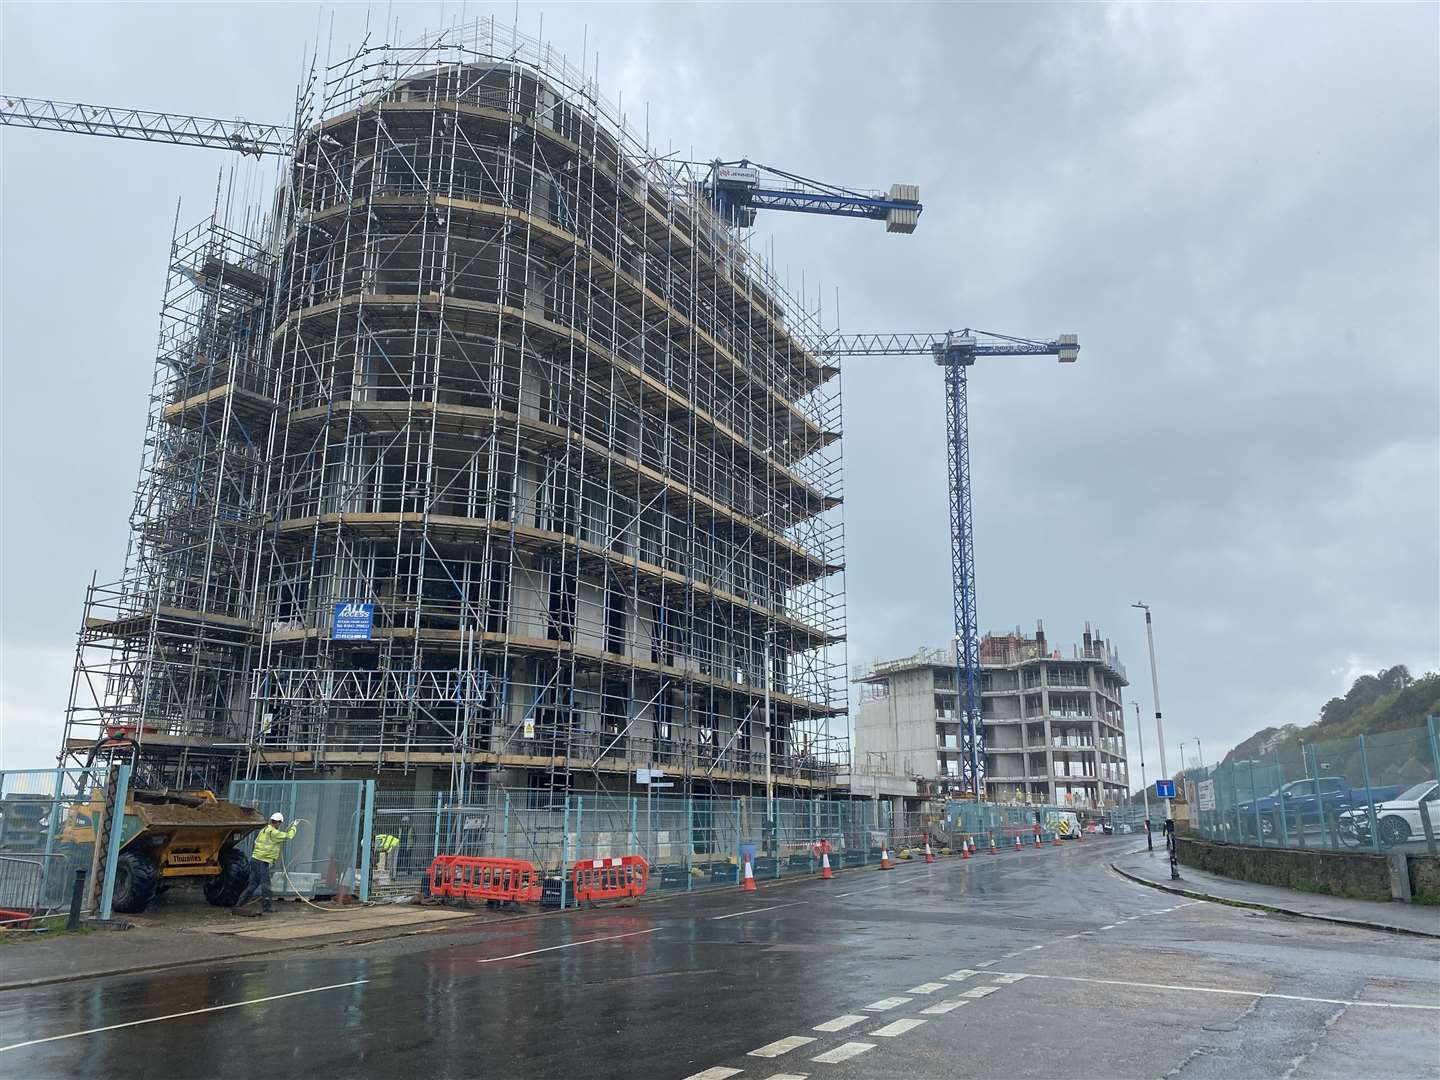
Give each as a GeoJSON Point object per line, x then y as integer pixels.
{"type": "Point", "coordinates": [489, 449]}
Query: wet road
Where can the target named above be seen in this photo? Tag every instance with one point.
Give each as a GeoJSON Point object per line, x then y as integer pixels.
{"type": "Point", "coordinates": [1042, 964]}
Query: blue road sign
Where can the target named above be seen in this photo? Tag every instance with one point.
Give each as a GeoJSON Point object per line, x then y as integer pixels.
{"type": "Point", "coordinates": [1164, 789]}
{"type": "Point", "coordinates": [353, 622]}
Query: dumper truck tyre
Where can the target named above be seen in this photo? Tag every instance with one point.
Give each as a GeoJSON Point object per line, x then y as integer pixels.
{"type": "Point", "coordinates": [225, 888]}
{"type": "Point", "coordinates": [136, 878]}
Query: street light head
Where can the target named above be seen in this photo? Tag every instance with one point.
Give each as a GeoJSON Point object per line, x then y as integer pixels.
{"type": "Point", "coordinates": [1146, 607]}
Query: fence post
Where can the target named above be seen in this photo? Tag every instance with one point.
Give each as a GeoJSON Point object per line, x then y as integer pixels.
{"type": "Point", "coordinates": [438, 797]}
{"type": "Point", "coordinates": [1427, 826]}
{"type": "Point", "coordinates": [77, 895]}
{"type": "Point", "coordinates": [115, 824]}
{"type": "Point", "coordinates": [1369, 799]}
{"type": "Point", "coordinates": [564, 845]}
{"type": "Point", "coordinates": [1255, 805]}
{"type": "Point", "coordinates": [1434, 747]}
{"type": "Point", "coordinates": [367, 840]}
{"type": "Point", "coordinates": [634, 836]}
{"type": "Point", "coordinates": [689, 842]}
{"type": "Point", "coordinates": [1280, 808]}
{"type": "Point", "coordinates": [50, 828]}
{"type": "Point", "coordinates": [505, 827]}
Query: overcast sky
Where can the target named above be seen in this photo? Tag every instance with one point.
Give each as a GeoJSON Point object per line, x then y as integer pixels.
{"type": "Point", "coordinates": [1234, 206]}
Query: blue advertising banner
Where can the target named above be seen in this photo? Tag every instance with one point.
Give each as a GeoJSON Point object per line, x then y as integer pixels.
{"type": "Point", "coordinates": [353, 622]}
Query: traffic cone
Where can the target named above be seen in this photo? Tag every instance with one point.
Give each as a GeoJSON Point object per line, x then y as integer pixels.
{"type": "Point", "coordinates": [1017, 841]}
{"type": "Point", "coordinates": [1057, 839]}
{"type": "Point", "coordinates": [749, 885]}
{"type": "Point", "coordinates": [885, 858]}
{"type": "Point", "coordinates": [993, 849]}
{"type": "Point", "coordinates": [964, 849]}
{"type": "Point", "coordinates": [929, 855]}
{"type": "Point", "coordinates": [1037, 837]}
{"type": "Point", "coordinates": [972, 844]}
{"type": "Point", "coordinates": [825, 872]}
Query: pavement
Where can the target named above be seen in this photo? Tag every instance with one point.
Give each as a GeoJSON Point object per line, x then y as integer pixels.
{"type": "Point", "coordinates": [1042, 963]}
{"type": "Point", "coordinates": [1153, 868]}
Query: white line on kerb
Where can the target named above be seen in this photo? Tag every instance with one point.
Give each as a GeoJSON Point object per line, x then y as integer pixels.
{"type": "Point", "coordinates": [571, 945]}
{"type": "Point", "coordinates": [754, 910]}
{"type": "Point", "coordinates": [177, 1016]}
{"type": "Point", "coordinates": [1232, 993]}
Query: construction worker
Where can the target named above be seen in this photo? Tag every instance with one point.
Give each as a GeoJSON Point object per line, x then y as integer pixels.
{"type": "Point", "coordinates": [267, 849]}
{"type": "Point", "coordinates": [385, 843]}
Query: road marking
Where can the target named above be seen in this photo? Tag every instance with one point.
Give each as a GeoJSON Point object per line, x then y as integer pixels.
{"type": "Point", "coordinates": [1006, 980]}
{"type": "Point", "coordinates": [177, 1016]}
{"type": "Point", "coordinates": [843, 1052]}
{"type": "Point", "coordinates": [940, 1008]}
{"type": "Point", "coordinates": [1110, 927]}
{"type": "Point", "coordinates": [841, 895]}
{"type": "Point", "coordinates": [896, 1027]}
{"type": "Point", "coordinates": [791, 1076]}
{"type": "Point", "coordinates": [987, 963]}
{"type": "Point", "coordinates": [756, 910]}
{"type": "Point", "coordinates": [782, 1046]}
{"type": "Point", "coordinates": [961, 975]}
{"type": "Point", "coordinates": [719, 1072]}
{"type": "Point", "coordinates": [1232, 993]}
{"type": "Point", "coordinates": [886, 1004]}
{"type": "Point", "coordinates": [926, 988]}
{"type": "Point", "coordinates": [840, 1023]}
{"type": "Point", "coordinates": [979, 991]}
{"type": "Point", "coordinates": [1032, 948]}
{"type": "Point", "coordinates": [1069, 937]}
{"type": "Point", "coordinates": [571, 945]}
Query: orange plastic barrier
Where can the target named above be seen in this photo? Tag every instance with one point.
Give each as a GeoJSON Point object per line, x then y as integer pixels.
{"type": "Point", "coordinates": [467, 877]}
{"type": "Point", "coordinates": [610, 879]}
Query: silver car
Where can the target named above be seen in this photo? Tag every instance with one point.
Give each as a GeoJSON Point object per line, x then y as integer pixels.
{"type": "Point", "coordinates": [1398, 819]}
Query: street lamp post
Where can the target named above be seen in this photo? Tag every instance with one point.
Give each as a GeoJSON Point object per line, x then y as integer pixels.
{"type": "Point", "coordinates": [1144, 783]}
{"type": "Point", "coordinates": [1160, 734]}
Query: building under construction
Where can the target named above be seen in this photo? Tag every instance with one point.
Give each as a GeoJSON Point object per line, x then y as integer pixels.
{"type": "Point", "coordinates": [488, 450]}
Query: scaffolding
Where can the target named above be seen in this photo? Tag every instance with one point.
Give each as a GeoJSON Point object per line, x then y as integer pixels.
{"type": "Point", "coordinates": [495, 377]}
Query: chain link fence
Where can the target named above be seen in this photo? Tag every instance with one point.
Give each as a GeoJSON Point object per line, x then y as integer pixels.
{"type": "Point", "coordinates": [1379, 793]}
{"type": "Point", "coordinates": [46, 834]}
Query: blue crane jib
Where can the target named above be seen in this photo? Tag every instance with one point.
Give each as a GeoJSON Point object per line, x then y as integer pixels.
{"type": "Point", "coordinates": [737, 189]}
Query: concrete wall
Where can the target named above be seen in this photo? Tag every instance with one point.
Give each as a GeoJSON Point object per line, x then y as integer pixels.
{"type": "Point", "coordinates": [1337, 873]}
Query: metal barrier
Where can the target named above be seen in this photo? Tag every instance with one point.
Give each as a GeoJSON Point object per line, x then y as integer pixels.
{"type": "Point", "coordinates": [466, 877]}
{"type": "Point", "coordinates": [610, 879]}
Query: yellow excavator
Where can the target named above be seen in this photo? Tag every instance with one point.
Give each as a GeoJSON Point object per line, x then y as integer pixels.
{"type": "Point", "coordinates": [168, 834]}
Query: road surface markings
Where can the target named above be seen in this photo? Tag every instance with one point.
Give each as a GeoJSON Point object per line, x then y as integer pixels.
{"type": "Point", "coordinates": [940, 1008]}
{"type": "Point", "coordinates": [1071, 937]}
{"type": "Point", "coordinates": [1006, 980]}
{"type": "Point", "coordinates": [757, 910]}
{"type": "Point", "coordinates": [177, 1016]}
{"type": "Point", "coordinates": [1110, 927]}
{"type": "Point", "coordinates": [961, 975]}
{"type": "Point", "coordinates": [719, 1072]}
{"type": "Point", "coordinates": [979, 991]}
{"type": "Point", "coordinates": [571, 945]}
{"type": "Point", "coordinates": [1032, 948]}
{"type": "Point", "coordinates": [896, 1027]}
{"type": "Point", "coordinates": [843, 1052]}
{"type": "Point", "coordinates": [840, 1023]}
{"type": "Point", "coordinates": [886, 1004]}
{"type": "Point", "coordinates": [791, 1076]}
{"type": "Point", "coordinates": [1231, 993]}
{"type": "Point", "coordinates": [926, 988]}
{"type": "Point", "coordinates": [987, 963]}
{"type": "Point", "coordinates": [782, 1046]}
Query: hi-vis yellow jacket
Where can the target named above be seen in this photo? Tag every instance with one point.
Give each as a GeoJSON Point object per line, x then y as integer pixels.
{"type": "Point", "coordinates": [267, 844]}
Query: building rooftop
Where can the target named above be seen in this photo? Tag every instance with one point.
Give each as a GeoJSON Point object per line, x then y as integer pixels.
{"type": "Point", "coordinates": [999, 650]}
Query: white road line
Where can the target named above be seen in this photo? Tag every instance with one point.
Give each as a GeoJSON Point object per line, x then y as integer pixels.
{"type": "Point", "coordinates": [841, 895]}
{"type": "Point", "coordinates": [1006, 980]}
{"type": "Point", "coordinates": [961, 975]}
{"type": "Point", "coordinates": [756, 910]}
{"type": "Point", "coordinates": [1110, 927]}
{"type": "Point", "coordinates": [1032, 948]}
{"type": "Point", "coordinates": [719, 1072]}
{"type": "Point", "coordinates": [571, 945]}
{"type": "Point", "coordinates": [979, 991]}
{"type": "Point", "coordinates": [987, 963]}
{"type": "Point", "coordinates": [782, 1046]}
{"type": "Point", "coordinates": [840, 1023]}
{"type": "Point", "coordinates": [896, 1027]}
{"type": "Point", "coordinates": [843, 1052]}
{"type": "Point", "coordinates": [177, 1016]}
{"type": "Point", "coordinates": [1232, 993]}
{"type": "Point", "coordinates": [886, 1004]}
{"type": "Point", "coordinates": [791, 1076]}
{"type": "Point", "coordinates": [1070, 937]}
{"type": "Point", "coordinates": [940, 1008]}
{"type": "Point", "coordinates": [926, 988]}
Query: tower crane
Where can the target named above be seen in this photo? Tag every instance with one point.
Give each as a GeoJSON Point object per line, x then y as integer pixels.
{"type": "Point", "coordinates": [955, 352]}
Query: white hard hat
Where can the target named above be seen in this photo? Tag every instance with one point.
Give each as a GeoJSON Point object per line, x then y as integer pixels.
{"type": "Point", "coordinates": [278, 816]}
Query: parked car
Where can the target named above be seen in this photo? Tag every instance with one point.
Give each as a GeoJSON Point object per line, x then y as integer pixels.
{"type": "Point", "coordinates": [1307, 802]}
{"type": "Point", "coordinates": [1396, 820]}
